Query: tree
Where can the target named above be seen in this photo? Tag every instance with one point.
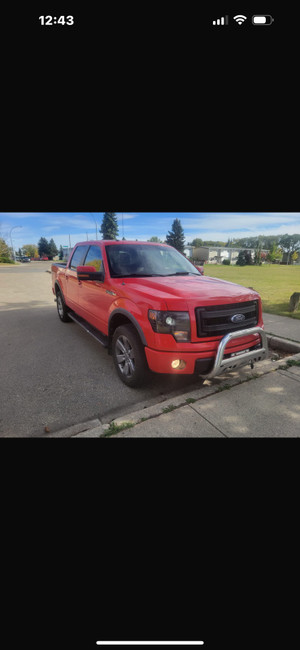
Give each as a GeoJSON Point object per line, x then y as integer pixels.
{"type": "Point", "coordinates": [210, 242]}
{"type": "Point", "coordinates": [244, 258]}
{"type": "Point", "coordinates": [257, 253]}
{"type": "Point", "coordinates": [30, 250]}
{"type": "Point", "coordinates": [52, 249]}
{"type": "Point", "coordinates": [197, 242]}
{"type": "Point", "coordinates": [5, 252]}
{"type": "Point", "coordinates": [274, 254]}
{"type": "Point", "coordinates": [43, 247]}
{"type": "Point", "coordinates": [289, 244]}
{"type": "Point", "coordinates": [109, 228]}
{"type": "Point", "coordinates": [155, 239]}
{"type": "Point", "coordinates": [175, 237]}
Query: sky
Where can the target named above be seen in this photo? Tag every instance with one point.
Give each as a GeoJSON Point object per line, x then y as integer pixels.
{"type": "Point", "coordinates": [65, 227]}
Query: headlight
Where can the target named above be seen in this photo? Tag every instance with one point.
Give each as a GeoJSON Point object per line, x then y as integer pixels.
{"type": "Point", "coordinates": [176, 323]}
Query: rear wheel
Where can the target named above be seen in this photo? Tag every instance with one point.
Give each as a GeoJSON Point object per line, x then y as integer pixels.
{"type": "Point", "coordinates": [129, 356]}
{"type": "Point", "coordinates": [62, 308]}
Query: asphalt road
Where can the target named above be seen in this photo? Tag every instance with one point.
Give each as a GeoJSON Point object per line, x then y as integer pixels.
{"type": "Point", "coordinates": [53, 374]}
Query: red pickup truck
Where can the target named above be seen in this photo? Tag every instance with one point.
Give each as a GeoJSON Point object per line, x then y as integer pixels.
{"type": "Point", "coordinates": [153, 310]}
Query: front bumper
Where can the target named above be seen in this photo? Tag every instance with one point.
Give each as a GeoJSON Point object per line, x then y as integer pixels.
{"type": "Point", "coordinates": [221, 364]}
{"type": "Point", "coordinates": [160, 362]}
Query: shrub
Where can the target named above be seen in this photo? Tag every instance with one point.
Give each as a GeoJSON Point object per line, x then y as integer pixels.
{"type": "Point", "coordinates": [6, 260]}
{"type": "Point", "coordinates": [226, 262]}
{"type": "Point", "coordinates": [244, 258]}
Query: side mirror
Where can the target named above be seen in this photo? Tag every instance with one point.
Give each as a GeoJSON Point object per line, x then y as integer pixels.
{"type": "Point", "coordinates": [89, 273]}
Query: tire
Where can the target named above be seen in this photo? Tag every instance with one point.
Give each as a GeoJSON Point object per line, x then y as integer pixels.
{"type": "Point", "coordinates": [129, 356]}
{"type": "Point", "coordinates": [62, 309]}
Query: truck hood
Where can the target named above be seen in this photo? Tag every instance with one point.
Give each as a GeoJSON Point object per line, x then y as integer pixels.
{"type": "Point", "coordinates": [200, 290]}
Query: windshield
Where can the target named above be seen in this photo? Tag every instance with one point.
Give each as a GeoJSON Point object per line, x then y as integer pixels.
{"type": "Point", "coordinates": [145, 260]}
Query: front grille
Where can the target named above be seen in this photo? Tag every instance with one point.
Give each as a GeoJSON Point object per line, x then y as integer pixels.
{"type": "Point", "coordinates": [216, 320]}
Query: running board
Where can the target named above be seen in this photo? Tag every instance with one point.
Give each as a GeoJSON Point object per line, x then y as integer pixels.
{"type": "Point", "coordinates": [101, 338]}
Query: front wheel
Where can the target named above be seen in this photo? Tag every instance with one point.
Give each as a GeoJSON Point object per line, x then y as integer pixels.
{"type": "Point", "coordinates": [129, 356]}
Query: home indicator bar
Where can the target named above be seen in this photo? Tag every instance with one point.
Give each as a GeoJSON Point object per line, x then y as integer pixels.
{"type": "Point", "coordinates": [150, 643]}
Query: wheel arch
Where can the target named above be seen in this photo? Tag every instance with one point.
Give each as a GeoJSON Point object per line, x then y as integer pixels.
{"type": "Point", "coordinates": [123, 317]}
{"type": "Point", "coordinates": [57, 288]}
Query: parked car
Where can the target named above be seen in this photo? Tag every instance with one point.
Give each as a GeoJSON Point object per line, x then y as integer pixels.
{"type": "Point", "coordinates": [152, 309]}
{"type": "Point", "coordinates": [25, 259]}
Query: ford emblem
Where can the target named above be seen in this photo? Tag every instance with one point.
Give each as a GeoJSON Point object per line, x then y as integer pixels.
{"type": "Point", "coordinates": [237, 318]}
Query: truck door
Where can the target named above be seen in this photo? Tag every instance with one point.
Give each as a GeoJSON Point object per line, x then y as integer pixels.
{"type": "Point", "coordinates": [72, 284]}
{"type": "Point", "coordinates": [94, 299]}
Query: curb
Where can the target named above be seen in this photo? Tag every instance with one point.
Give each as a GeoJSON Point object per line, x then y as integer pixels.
{"type": "Point", "coordinates": [95, 429]}
{"type": "Point", "coordinates": [285, 345]}
{"type": "Point", "coordinates": [89, 429]}
{"type": "Point", "coordinates": [212, 386]}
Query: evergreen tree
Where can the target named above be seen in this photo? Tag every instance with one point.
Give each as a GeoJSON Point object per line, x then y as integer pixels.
{"type": "Point", "coordinates": [43, 247]}
{"type": "Point", "coordinates": [52, 249]}
{"type": "Point", "coordinates": [109, 228]}
{"type": "Point", "coordinates": [175, 237]}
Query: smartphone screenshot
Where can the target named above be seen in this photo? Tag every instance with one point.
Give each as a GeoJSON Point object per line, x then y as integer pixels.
{"type": "Point", "coordinates": [174, 319]}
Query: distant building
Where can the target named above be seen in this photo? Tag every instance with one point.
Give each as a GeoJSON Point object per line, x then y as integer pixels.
{"type": "Point", "coordinates": [188, 251]}
{"type": "Point", "coordinates": [67, 253]}
{"type": "Point", "coordinates": [216, 254]}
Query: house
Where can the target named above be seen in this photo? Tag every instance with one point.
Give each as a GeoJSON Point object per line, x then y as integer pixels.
{"type": "Point", "coordinates": [216, 254]}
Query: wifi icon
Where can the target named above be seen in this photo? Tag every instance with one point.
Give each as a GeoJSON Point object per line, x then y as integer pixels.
{"type": "Point", "coordinates": [240, 19]}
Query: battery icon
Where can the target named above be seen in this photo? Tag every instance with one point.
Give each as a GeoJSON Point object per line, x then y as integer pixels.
{"type": "Point", "coordinates": [262, 20]}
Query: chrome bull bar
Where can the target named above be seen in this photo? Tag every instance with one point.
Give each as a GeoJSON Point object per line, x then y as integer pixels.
{"type": "Point", "coordinates": [221, 364]}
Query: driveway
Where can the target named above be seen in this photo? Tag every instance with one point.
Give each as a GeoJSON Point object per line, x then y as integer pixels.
{"type": "Point", "coordinates": [53, 374]}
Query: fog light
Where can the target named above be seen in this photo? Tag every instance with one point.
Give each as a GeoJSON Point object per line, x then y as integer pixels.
{"type": "Point", "coordinates": [178, 364]}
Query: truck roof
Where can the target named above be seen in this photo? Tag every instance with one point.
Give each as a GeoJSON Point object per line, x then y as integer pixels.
{"type": "Point", "coordinates": [113, 242]}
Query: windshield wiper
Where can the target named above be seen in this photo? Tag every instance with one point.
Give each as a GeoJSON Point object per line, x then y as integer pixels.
{"type": "Point", "coordinates": [182, 273]}
{"type": "Point", "coordinates": [141, 275]}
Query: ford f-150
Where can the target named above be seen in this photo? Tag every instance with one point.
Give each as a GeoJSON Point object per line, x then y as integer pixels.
{"type": "Point", "coordinates": [153, 310]}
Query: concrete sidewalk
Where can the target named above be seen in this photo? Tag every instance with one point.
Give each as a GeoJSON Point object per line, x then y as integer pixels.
{"type": "Point", "coordinates": [282, 326]}
{"type": "Point", "coordinates": [263, 402]}
{"type": "Point", "coordinates": [266, 406]}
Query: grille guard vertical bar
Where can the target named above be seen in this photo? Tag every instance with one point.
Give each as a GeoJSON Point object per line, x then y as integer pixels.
{"type": "Point", "coordinates": [222, 364]}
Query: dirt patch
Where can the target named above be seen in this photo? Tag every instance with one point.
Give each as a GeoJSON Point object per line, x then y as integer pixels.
{"type": "Point", "coordinates": [275, 353]}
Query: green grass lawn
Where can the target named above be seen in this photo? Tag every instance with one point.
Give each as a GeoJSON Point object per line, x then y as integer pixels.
{"type": "Point", "coordinates": [275, 283]}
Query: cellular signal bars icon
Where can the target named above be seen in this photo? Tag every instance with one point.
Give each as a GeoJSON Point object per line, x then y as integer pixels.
{"type": "Point", "coordinates": [221, 21]}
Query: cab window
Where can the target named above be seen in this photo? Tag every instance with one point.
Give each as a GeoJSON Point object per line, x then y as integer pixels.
{"type": "Point", "coordinates": [78, 257]}
{"type": "Point", "coordinates": [94, 258]}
